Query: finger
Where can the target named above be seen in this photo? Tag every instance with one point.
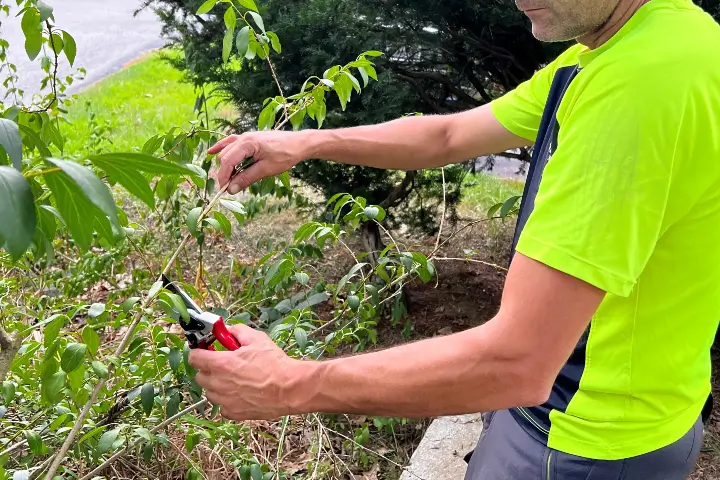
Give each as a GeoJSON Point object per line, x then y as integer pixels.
{"type": "Point", "coordinates": [204, 360]}
{"type": "Point", "coordinates": [222, 144]}
{"type": "Point", "coordinates": [247, 336]}
{"type": "Point", "coordinates": [232, 156]}
{"type": "Point", "coordinates": [209, 382]}
{"type": "Point", "coordinates": [217, 398]}
{"type": "Point", "coordinates": [244, 179]}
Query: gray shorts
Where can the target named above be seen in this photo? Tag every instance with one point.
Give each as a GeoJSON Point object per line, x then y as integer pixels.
{"type": "Point", "coordinates": [506, 452]}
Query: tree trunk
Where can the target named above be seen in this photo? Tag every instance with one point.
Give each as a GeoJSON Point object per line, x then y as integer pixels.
{"type": "Point", "coordinates": [9, 347]}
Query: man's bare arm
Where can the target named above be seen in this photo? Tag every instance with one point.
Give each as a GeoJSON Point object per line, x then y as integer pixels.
{"type": "Point", "coordinates": [510, 361]}
{"type": "Point", "coordinates": [409, 143]}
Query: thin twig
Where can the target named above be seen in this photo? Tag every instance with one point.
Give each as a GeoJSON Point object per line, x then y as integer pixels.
{"type": "Point", "coordinates": [442, 219]}
{"type": "Point", "coordinates": [153, 430]}
{"type": "Point", "coordinates": [58, 458]}
{"type": "Point", "coordinates": [472, 260]}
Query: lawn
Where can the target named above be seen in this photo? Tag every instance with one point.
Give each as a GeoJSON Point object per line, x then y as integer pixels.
{"type": "Point", "coordinates": [147, 97]}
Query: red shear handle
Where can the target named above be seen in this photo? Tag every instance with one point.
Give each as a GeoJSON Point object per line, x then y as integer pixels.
{"type": "Point", "coordinates": [223, 335]}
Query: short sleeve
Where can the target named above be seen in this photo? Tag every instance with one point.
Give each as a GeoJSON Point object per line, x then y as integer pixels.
{"type": "Point", "coordinates": [520, 110]}
{"type": "Point", "coordinates": [601, 206]}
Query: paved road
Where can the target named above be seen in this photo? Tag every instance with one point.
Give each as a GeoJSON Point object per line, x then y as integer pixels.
{"type": "Point", "coordinates": [106, 32]}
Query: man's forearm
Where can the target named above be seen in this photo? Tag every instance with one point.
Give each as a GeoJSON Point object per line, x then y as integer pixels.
{"type": "Point", "coordinates": [472, 371]}
{"type": "Point", "coordinates": [414, 143]}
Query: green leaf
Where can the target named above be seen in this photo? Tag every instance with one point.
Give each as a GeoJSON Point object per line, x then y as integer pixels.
{"type": "Point", "coordinates": [72, 357]}
{"type": "Point", "coordinates": [32, 29]}
{"type": "Point", "coordinates": [17, 215]}
{"type": "Point", "coordinates": [242, 41]}
{"type": "Point", "coordinates": [11, 141]}
{"type": "Point", "coordinates": [191, 440]}
{"type": "Point", "coordinates": [230, 18]}
{"type": "Point", "coordinates": [192, 220]}
{"type": "Point", "coordinates": [107, 440]}
{"type": "Point", "coordinates": [129, 303]}
{"type": "Point", "coordinates": [302, 278]}
{"type": "Point", "coordinates": [52, 329]}
{"type": "Point", "coordinates": [193, 474]}
{"type": "Point", "coordinates": [8, 392]}
{"type": "Point", "coordinates": [173, 404]}
{"type": "Point", "coordinates": [249, 4]}
{"type": "Point", "coordinates": [371, 212]}
{"type": "Point", "coordinates": [133, 181]}
{"type": "Point", "coordinates": [258, 20]}
{"type": "Point", "coordinates": [155, 288]}
{"type": "Point", "coordinates": [364, 75]}
{"type": "Point", "coordinates": [267, 117]}
{"type": "Point", "coordinates": [175, 359]}
{"type": "Point", "coordinates": [44, 9]}
{"type": "Point", "coordinates": [206, 7]}
{"type": "Point", "coordinates": [96, 309]}
{"type": "Point", "coordinates": [32, 140]}
{"type": "Point", "coordinates": [179, 305]}
{"type": "Point", "coordinates": [75, 380]}
{"type": "Point", "coordinates": [353, 302]}
{"type": "Point", "coordinates": [227, 44]}
{"type": "Point", "coordinates": [301, 338]}
{"type": "Point", "coordinates": [56, 43]}
{"type": "Point", "coordinates": [34, 442]}
{"type": "Point", "coordinates": [224, 223]}
{"type": "Point", "coordinates": [508, 206]}
{"type": "Point", "coordinates": [91, 339]}
{"type": "Point", "coordinates": [74, 175]}
{"type": "Point", "coordinates": [373, 53]}
{"type": "Point", "coordinates": [244, 472]}
{"type": "Point", "coordinates": [274, 41]}
{"type": "Point", "coordinates": [353, 271]}
{"type": "Point", "coordinates": [152, 144]}
{"type": "Point", "coordinates": [256, 472]}
{"type": "Point", "coordinates": [353, 80]}
{"type": "Point", "coordinates": [70, 47]}
{"type": "Point", "coordinates": [52, 387]}
{"type": "Point", "coordinates": [147, 397]}
{"type": "Point", "coordinates": [100, 369]}
{"type": "Point", "coordinates": [140, 161]}
{"type": "Point", "coordinates": [315, 299]}
{"type": "Point", "coordinates": [234, 206]}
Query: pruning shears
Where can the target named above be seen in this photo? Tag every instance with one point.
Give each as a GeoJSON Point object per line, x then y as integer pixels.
{"type": "Point", "coordinates": [202, 328]}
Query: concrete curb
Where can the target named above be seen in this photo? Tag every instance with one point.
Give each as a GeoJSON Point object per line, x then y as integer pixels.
{"type": "Point", "coordinates": [440, 453]}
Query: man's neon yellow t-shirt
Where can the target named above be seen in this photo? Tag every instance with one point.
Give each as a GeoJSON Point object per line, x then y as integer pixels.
{"type": "Point", "coordinates": [629, 201]}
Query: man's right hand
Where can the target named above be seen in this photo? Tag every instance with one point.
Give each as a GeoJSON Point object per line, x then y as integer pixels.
{"type": "Point", "coordinates": [274, 152]}
{"type": "Point", "coordinates": [408, 143]}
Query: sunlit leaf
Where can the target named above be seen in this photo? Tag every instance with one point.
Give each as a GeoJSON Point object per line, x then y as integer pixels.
{"type": "Point", "coordinates": [91, 339]}
{"type": "Point", "coordinates": [206, 7]}
{"type": "Point", "coordinates": [258, 20]}
{"type": "Point", "coordinates": [8, 392]}
{"type": "Point", "coordinates": [52, 387]}
{"type": "Point", "coordinates": [100, 369]}
{"type": "Point", "coordinates": [70, 47]}
{"type": "Point", "coordinates": [242, 41]}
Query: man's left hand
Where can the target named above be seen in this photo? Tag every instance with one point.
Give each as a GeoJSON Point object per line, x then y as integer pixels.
{"type": "Point", "coordinates": [250, 383]}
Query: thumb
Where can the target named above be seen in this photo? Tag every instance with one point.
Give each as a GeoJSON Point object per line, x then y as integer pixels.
{"type": "Point", "coordinates": [247, 335]}
{"type": "Point", "coordinates": [244, 179]}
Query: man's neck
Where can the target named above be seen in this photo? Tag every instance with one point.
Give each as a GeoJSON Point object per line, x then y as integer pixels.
{"type": "Point", "coordinates": [619, 17]}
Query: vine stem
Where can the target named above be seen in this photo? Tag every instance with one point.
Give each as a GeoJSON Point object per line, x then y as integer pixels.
{"type": "Point", "coordinates": [472, 260]}
{"type": "Point", "coordinates": [58, 458]}
{"type": "Point", "coordinates": [444, 210]}
{"type": "Point", "coordinates": [136, 442]}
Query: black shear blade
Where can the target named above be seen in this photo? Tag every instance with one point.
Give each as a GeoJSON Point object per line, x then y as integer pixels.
{"type": "Point", "coordinates": [189, 304]}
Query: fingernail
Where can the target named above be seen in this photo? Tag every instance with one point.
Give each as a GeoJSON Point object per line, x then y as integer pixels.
{"type": "Point", "coordinates": [232, 189]}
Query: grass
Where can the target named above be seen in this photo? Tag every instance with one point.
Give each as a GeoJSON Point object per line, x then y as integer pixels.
{"type": "Point", "coordinates": [482, 191]}
{"type": "Point", "coordinates": [142, 100]}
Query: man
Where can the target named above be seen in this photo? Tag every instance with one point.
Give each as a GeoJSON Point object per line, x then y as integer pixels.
{"type": "Point", "coordinates": [596, 365]}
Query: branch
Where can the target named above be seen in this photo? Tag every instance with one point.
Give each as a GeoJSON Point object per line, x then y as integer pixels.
{"type": "Point", "coordinates": [136, 442]}
{"type": "Point", "coordinates": [442, 219]}
{"type": "Point", "coordinates": [58, 458]}
{"type": "Point", "coordinates": [9, 346]}
{"type": "Point", "coordinates": [401, 191]}
{"type": "Point", "coordinates": [471, 260]}
{"type": "Point", "coordinates": [53, 80]}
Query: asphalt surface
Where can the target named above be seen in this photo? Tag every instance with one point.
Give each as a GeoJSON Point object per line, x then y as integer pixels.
{"type": "Point", "coordinates": [106, 32]}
